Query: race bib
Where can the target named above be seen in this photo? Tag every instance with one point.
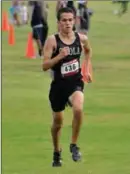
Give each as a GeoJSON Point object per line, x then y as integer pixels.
{"type": "Point", "coordinates": [70, 68]}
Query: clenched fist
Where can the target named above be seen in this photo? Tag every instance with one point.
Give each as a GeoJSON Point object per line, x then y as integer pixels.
{"type": "Point", "coordinates": [64, 52]}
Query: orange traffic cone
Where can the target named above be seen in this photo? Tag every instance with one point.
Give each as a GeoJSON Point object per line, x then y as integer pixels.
{"type": "Point", "coordinates": [30, 51]}
{"type": "Point", "coordinates": [5, 22]}
{"type": "Point", "coordinates": [11, 36]}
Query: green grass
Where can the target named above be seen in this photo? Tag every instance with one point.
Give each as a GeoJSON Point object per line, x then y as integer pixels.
{"type": "Point", "coordinates": [26, 114]}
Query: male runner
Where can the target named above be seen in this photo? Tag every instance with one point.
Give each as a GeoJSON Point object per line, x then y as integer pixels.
{"type": "Point", "coordinates": [62, 53]}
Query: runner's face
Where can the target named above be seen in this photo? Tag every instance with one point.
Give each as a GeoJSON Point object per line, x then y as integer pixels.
{"type": "Point", "coordinates": [66, 22]}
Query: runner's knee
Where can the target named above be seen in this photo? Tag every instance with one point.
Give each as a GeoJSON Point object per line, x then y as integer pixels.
{"type": "Point", "coordinates": [58, 120]}
{"type": "Point", "coordinates": [77, 101]}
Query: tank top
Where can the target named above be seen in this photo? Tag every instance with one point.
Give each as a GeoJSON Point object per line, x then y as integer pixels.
{"type": "Point", "coordinates": [69, 67]}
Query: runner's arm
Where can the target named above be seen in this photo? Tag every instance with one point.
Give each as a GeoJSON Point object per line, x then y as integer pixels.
{"type": "Point", "coordinates": [87, 50]}
{"type": "Point", "coordinates": [48, 61]}
{"type": "Point", "coordinates": [47, 54]}
{"type": "Point", "coordinates": [87, 74]}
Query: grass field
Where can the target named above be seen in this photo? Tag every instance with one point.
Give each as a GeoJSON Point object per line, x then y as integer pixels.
{"type": "Point", "coordinates": [26, 115]}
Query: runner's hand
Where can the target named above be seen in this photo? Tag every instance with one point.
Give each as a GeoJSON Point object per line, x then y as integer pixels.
{"type": "Point", "coordinates": [64, 52]}
{"type": "Point", "coordinates": [88, 77]}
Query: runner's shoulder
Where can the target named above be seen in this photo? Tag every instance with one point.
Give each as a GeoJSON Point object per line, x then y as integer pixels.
{"type": "Point", "coordinates": [51, 40]}
{"type": "Point", "coordinates": [83, 37]}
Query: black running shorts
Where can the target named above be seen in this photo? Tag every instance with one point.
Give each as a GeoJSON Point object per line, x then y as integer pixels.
{"type": "Point", "coordinates": [40, 33]}
{"type": "Point", "coordinates": [61, 91]}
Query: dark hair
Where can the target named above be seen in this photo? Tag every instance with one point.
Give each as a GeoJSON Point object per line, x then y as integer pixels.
{"type": "Point", "coordinates": [64, 10]}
